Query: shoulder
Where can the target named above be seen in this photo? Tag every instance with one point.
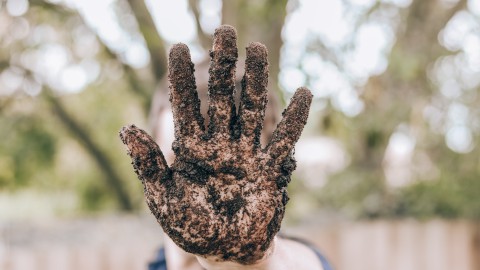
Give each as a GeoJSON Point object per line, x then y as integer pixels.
{"type": "Point", "coordinates": [160, 262]}
{"type": "Point", "coordinates": [303, 254]}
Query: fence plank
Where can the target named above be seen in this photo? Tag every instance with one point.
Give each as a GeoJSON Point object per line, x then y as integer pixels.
{"type": "Point", "coordinates": [378, 245]}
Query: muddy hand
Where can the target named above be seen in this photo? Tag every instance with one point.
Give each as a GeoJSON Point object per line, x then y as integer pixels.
{"type": "Point", "coordinates": [224, 196]}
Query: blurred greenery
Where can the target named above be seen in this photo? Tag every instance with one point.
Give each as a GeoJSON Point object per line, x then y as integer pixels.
{"type": "Point", "coordinates": [60, 136]}
{"type": "Point", "coordinates": [29, 145]}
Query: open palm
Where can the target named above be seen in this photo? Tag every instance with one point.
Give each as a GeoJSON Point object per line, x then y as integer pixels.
{"type": "Point", "coordinates": [224, 196]}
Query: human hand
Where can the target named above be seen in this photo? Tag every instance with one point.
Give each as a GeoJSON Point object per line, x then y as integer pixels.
{"type": "Point", "coordinates": [224, 196]}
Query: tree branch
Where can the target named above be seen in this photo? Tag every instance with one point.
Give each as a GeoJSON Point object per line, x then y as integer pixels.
{"type": "Point", "coordinates": [205, 39]}
{"type": "Point", "coordinates": [112, 178]}
{"type": "Point", "coordinates": [461, 4]}
{"type": "Point", "coordinates": [6, 102]}
{"type": "Point", "coordinates": [136, 85]}
{"type": "Point", "coordinates": [155, 43]}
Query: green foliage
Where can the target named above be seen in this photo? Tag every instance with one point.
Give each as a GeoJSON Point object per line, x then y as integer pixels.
{"type": "Point", "coordinates": [356, 195]}
{"type": "Point", "coordinates": [38, 151]}
{"type": "Point", "coordinates": [103, 119]}
{"type": "Point", "coordinates": [429, 199]}
{"type": "Point", "coordinates": [27, 148]}
{"type": "Point", "coordinates": [453, 198]}
{"type": "Point", "coordinates": [360, 197]}
{"type": "Point", "coordinates": [94, 196]}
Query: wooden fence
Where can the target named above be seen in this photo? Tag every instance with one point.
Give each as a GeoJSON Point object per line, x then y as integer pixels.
{"type": "Point", "coordinates": [399, 245]}
{"type": "Point", "coordinates": [130, 242]}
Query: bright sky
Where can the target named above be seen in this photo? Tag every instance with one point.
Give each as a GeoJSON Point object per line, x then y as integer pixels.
{"type": "Point", "coordinates": [329, 20]}
{"type": "Point", "coordinates": [176, 25]}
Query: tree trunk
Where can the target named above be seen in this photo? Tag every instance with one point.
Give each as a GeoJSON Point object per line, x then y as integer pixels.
{"type": "Point", "coordinates": [104, 163]}
{"type": "Point", "coordinates": [388, 97]}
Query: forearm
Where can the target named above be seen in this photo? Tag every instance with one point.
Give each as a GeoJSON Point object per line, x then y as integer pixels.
{"type": "Point", "coordinates": [282, 255]}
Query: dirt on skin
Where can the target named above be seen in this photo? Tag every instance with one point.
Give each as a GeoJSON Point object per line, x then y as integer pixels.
{"type": "Point", "coordinates": [224, 196]}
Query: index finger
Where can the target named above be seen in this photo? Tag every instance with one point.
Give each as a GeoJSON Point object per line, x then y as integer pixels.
{"type": "Point", "coordinates": [290, 127]}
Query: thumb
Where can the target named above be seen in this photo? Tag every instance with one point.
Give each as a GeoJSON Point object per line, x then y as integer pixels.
{"type": "Point", "coordinates": [147, 158]}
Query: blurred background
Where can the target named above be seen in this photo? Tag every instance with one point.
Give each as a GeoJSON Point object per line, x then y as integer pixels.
{"type": "Point", "coordinates": [388, 166]}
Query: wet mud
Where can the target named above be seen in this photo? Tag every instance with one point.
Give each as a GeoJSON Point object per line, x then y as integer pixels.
{"type": "Point", "coordinates": [224, 196]}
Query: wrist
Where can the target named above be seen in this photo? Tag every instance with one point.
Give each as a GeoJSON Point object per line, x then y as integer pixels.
{"type": "Point", "coordinates": [265, 263]}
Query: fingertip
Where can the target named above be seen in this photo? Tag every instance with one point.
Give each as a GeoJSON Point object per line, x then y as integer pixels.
{"type": "Point", "coordinates": [302, 99]}
{"type": "Point", "coordinates": [225, 40]}
{"type": "Point", "coordinates": [147, 158]}
{"type": "Point", "coordinates": [225, 31]}
{"type": "Point", "coordinates": [290, 128]}
{"type": "Point", "coordinates": [126, 132]}
{"type": "Point", "coordinates": [135, 138]}
{"type": "Point", "coordinates": [257, 50]}
{"type": "Point", "coordinates": [180, 47]}
{"type": "Point", "coordinates": [180, 68]}
{"type": "Point", "coordinates": [304, 93]}
{"type": "Point", "coordinates": [179, 52]}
